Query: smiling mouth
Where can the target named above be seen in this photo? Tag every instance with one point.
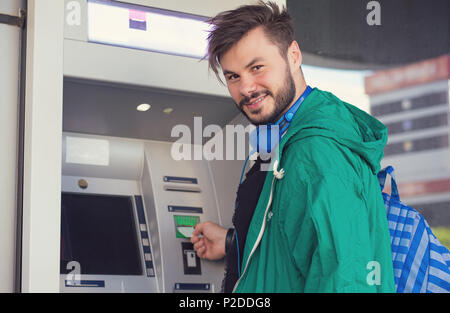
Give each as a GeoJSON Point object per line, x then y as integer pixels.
{"type": "Point", "coordinates": [254, 104]}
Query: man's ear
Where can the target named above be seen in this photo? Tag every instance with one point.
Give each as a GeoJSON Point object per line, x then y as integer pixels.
{"type": "Point", "coordinates": [294, 55]}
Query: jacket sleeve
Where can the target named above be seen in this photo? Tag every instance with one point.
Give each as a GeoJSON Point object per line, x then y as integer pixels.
{"type": "Point", "coordinates": [328, 231]}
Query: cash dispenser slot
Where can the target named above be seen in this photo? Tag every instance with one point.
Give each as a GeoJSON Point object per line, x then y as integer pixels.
{"type": "Point", "coordinates": [194, 189]}
{"type": "Point", "coordinates": [180, 180]}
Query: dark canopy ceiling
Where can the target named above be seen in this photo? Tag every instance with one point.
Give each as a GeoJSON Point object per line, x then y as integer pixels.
{"type": "Point", "coordinates": [335, 33]}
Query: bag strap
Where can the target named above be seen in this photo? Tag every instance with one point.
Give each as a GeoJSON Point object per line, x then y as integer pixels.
{"type": "Point", "coordinates": [382, 179]}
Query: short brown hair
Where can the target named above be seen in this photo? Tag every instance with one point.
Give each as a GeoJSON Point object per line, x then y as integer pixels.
{"type": "Point", "coordinates": [230, 26]}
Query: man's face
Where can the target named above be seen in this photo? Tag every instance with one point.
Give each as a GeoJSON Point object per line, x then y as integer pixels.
{"type": "Point", "coordinates": [258, 77]}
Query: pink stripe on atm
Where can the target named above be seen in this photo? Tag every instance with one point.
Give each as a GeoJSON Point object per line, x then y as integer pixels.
{"type": "Point", "coordinates": [137, 15]}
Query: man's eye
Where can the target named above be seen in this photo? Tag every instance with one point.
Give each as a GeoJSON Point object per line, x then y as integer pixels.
{"type": "Point", "coordinates": [257, 67]}
{"type": "Point", "coordinates": [232, 76]}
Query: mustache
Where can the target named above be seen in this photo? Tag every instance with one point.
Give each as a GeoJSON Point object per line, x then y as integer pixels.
{"type": "Point", "coordinates": [246, 100]}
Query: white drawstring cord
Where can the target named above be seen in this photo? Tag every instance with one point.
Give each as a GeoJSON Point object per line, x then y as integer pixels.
{"type": "Point", "coordinates": [280, 174]}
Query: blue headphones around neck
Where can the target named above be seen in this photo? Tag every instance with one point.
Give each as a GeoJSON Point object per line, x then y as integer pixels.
{"type": "Point", "coordinates": [265, 137]}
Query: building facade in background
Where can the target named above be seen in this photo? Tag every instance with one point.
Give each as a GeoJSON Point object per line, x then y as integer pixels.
{"type": "Point", "coordinates": [413, 102]}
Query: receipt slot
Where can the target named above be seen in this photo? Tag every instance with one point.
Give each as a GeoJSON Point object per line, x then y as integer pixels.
{"type": "Point", "coordinates": [191, 261]}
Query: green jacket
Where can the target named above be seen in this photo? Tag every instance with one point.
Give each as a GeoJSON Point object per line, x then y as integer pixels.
{"type": "Point", "coordinates": [322, 227]}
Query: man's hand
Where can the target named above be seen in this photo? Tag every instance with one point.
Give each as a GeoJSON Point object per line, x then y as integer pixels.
{"type": "Point", "coordinates": [211, 245]}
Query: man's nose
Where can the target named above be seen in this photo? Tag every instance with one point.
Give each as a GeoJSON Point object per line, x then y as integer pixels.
{"type": "Point", "coordinates": [247, 86]}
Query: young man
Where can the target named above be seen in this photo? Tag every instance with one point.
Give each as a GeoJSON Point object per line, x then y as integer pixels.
{"type": "Point", "coordinates": [317, 223]}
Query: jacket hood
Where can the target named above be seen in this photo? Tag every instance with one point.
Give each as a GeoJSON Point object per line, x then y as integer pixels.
{"type": "Point", "coordinates": [323, 114]}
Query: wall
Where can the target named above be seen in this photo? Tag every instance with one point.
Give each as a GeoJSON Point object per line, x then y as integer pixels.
{"type": "Point", "coordinates": [42, 147]}
{"type": "Point", "coordinates": [9, 92]}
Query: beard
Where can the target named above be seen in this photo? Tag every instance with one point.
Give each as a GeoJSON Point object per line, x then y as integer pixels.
{"type": "Point", "coordinates": [282, 100]}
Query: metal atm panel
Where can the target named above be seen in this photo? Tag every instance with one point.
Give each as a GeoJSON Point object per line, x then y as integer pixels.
{"type": "Point", "coordinates": [176, 206]}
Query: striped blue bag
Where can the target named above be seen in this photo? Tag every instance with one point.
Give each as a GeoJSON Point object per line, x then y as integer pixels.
{"type": "Point", "coordinates": [421, 262]}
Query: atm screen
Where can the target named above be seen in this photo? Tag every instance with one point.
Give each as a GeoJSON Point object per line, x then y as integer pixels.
{"type": "Point", "coordinates": [99, 232]}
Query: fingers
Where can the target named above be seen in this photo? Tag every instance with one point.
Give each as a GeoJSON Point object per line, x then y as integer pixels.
{"type": "Point", "coordinates": [200, 248]}
{"type": "Point", "coordinates": [201, 252]}
{"type": "Point", "coordinates": [199, 244]}
{"type": "Point", "coordinates": [197, 234]}
{"type": "Point", "coordinates": [203, 239]}
{"type": "Point", "coordinates": [198, 240]}
{"type": "Point", "coordinates": [198, 229]}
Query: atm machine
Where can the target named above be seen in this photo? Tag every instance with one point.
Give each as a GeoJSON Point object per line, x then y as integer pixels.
{"type": "Point", "coordinates": [128, 208]}
{"type": "Point", "coordinates": [128, 212]}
